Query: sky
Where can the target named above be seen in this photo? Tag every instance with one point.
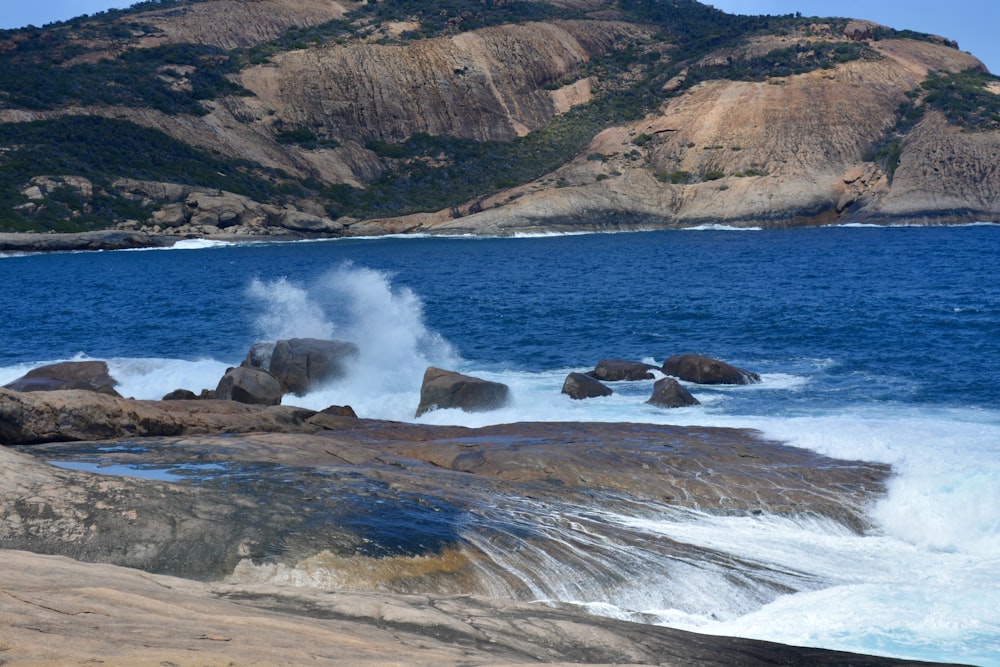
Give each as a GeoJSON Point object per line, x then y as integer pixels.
{"type": "Point", "coordinates": [974, 24]}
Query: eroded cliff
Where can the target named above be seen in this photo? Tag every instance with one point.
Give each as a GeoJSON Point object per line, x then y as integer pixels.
{"type": "Point", "coordinates": [587, 115]}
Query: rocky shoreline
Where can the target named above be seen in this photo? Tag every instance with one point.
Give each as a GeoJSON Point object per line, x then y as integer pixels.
{"type": "Point", "coordinates": [316, 535]}
{"type": "Point", "coordinates": [274, 533]}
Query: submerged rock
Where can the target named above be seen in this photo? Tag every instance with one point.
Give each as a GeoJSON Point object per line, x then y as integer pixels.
{"type": "Point", "coordinates": [614, 370]}
{"type": "Point", "coordinates": [443, 389]}
{"type": "Point", "coordinates": [88, 375]}
{"type": "Point", "coordinates": [581, 385]}
{"type": "Point", "coordinates": [705, 370]}
{"type": "Point", "coordinates": [668, 393]}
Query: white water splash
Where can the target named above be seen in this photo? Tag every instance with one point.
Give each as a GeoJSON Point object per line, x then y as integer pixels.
{"type": "Point", "coordinates": [361, 306]}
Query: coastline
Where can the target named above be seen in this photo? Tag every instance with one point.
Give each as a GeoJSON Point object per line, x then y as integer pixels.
{"type": "Point", "coordinates": [112, 580]}
{"type": "Point", "coordinates": [117, 239]}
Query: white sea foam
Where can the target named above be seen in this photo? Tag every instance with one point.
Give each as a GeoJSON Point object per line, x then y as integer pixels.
{"type": "Point", "coordinates": [718, 227]}
{"type": "Point", "coordinates": [361, 306]}
{"type": "Point", "coordinates": [153, 378]}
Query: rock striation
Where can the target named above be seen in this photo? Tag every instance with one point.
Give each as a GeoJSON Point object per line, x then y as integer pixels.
{"type": "Point", "coordinates": [762, 148]}
{"type": "Point", "coordinates": [47, 599]}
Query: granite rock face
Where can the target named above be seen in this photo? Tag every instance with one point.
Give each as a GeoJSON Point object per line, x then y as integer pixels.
{"type": "Point", "coordinates": [50, 603]}
{"type": "Point", "coordinates": [786, 151]}
{"type": "Point", "coordinates": [303, 364]}
{"type": "Point", "coordinates": [249, 385]}
{"type": "Point", "coordinates": [398, 527]}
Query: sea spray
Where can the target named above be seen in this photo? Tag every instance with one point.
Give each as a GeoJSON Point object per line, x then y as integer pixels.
{"type": "Point", "coordinates": [359, 305]}
{"type": "Point", "coordinates": [287, 311]}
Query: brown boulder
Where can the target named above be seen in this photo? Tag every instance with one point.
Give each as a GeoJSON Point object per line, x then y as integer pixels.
{"type": "Point", "coordinates": [249, 385]}
{"type": "Point", "coordinates": [614, 370]}
{"type": "Point", "coordinates": [447, 389]}
{"type": "Point", "coordinates": [705, 370]}
{"type": "Point", "coordinates": [87, 375]}
{"type": "Point", "coordinates": [668, 393]}
{"type": "Point", "coordinates": [303, 364]}
{"type": "Point", "coordinates": [581, 385]}
{"type": "Point", "coordinates": [180, 395]}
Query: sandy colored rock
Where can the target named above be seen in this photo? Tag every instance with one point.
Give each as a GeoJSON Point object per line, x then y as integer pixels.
{"type": "Point", "coordinates": [56, 611]}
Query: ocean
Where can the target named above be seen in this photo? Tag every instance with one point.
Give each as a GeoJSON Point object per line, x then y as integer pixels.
{"type": "Point", "coordinates": [879, 344]}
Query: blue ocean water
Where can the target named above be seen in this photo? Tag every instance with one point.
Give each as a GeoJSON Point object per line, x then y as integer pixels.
{"type": "Point", "coordinates": [873, 343]}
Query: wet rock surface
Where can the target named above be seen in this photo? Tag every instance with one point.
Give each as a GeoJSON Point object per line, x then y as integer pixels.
{"type": "Point", "coordinates": [379, 491]}
{"type": "Point", "coordinates": [580, 385]}
{"type": "Point", "coordinates": [59, 611]}
{"type": "Point", "coordinates": [349, 544]}
{"type": "Point", "coordinates": [443, 389]}
{"type": "Point", "coordinates": [705, 370]}
{"type": "Point", "coordinates": [613, 370]}
{"type": "Point", "coordinates": [668, 393]}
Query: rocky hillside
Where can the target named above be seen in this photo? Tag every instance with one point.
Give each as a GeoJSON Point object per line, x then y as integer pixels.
{"type": "Point", "coordinates": [320, 117]}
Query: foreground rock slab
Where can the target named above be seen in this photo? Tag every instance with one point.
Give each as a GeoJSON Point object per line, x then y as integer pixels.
{"type": "Point", "coordinates": [56, 611]}
{"type": "Point", "coordinates": [408, 508]}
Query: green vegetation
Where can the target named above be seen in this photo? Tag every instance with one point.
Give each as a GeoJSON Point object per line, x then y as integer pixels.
{"type": "Point", "coordinates": [172, 79]}
{"type": "Point", "coordinates": [798, 59]}
{"type": "Point", "coordinates": [679, 177]}
{"type": "Point", "coordinates": [964, 99]}
{"type": "Point", "coordinates": [304, 137]}
{"type": "Point", "coordinates": [102, 150]}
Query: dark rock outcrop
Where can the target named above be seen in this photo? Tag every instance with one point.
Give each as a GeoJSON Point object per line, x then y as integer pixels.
{"type": "Point", "coordinates": [249, 385]}
{"type": "Point", "coordinates": [447, 389]}
{"type": "Point", "coordinates": [705, 370]}
{"type": "Point", "coordinates": [303, 364]}
{"type": "Point", "coordinates": [99, 240]}
{"type": "Point", "coordinates": [668, 393]}
{"type": "Point", "coordinates": [59, 416]}
{"type": "Point", "coordinates": [88, 375]}
{"type": "Point", "coordinates": [180, 395]}
{"type": "Point", "coordinates": [581, 385]}
{"type": "Point", "coordinates": [614, 370]}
